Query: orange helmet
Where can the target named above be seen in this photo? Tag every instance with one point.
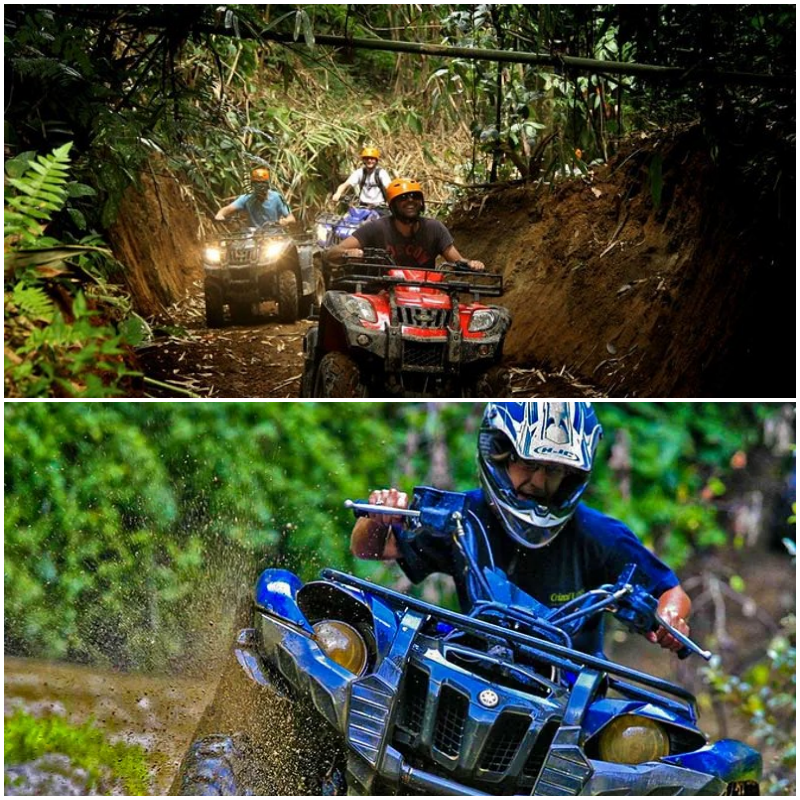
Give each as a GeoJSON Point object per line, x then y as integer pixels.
{"type": "Point", "coordinates": [259, 174]}
{"type": "Point", "coordinates": [370, 152]}
{"type": "Point", "coordinates": [402, 186]}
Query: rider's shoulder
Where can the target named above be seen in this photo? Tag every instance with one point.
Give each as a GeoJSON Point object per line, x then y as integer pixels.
{"type": "Point", "coordinates": [597, 525]}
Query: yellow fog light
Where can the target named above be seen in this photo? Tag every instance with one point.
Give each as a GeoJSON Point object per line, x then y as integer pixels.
{"type": "Point", "coordinates": [343, 644]}
{"type": "Point", "coordinates": [633, 740]}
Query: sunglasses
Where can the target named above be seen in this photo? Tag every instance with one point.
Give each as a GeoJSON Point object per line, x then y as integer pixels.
{"type": "Point", "coordinates": [550, 470]}
{"type": "Point", "coordinates": [412, 196]}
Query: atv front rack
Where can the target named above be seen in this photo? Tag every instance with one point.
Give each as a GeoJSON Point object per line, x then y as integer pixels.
{"type": "Point", "coordinates": [562, 657]}
{"type": "Point", "coordinates": [361, 275]}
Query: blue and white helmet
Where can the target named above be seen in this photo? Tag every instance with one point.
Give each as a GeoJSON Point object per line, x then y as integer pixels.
{"type": "Point", "coordinates": [554, 432]}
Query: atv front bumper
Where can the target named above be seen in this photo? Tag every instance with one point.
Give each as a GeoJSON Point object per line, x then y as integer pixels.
{"type": "Point", "coordinates": [422, 722]}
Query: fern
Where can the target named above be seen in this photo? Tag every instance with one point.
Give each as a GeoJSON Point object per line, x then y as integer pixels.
{"type": "Point", "coordinates": [33, 302]}
{"type": "Point", "coordinates": [42, 191]}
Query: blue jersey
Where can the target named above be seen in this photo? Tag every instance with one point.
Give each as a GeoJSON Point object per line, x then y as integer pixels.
{"type": "Point", "coordinates": [271, 209]}
{"type": "Point", "coordinates": [591, 550]}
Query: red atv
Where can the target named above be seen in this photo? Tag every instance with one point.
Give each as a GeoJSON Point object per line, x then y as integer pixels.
{"type": "Point", "coordinates": [389, 331]}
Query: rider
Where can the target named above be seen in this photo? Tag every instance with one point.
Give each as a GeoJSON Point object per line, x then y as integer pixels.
{"type": "Point", "coordinates": [412, 240]}
{"type": "Point", "coordinates": [370, 180]}
{"type": "Point", "coordinates": [535, 460]}
{"type": "Point", "coordinates": [262, 204]}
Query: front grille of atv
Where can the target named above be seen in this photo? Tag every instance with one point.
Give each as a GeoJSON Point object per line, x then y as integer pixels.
{"type": "Point", "coordinates": [504, 741]}
{"type": "Point", "coordinates": [423, 356]}
{"type": "Point", "coordinates": [450, 721]}
{"type": "Point", "coordinates": [422, 317]}
{"type": "Point", "coordinates": [242, 256]}
{"type": "Point", "coordinates": [434, 728]}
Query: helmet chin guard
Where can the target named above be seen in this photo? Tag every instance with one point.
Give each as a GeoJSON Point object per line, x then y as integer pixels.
{"type": "Point", "coordinates": [561, 433]}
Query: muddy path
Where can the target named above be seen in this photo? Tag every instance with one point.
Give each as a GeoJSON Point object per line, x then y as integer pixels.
{"type": "Point", "coordinates": [265, 359]}
{"type": "Point", "coordinates": [160, 713]}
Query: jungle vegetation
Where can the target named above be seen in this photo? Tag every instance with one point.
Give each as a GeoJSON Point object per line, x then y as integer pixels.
{"type": "Point", "coordinates": [206, 92]}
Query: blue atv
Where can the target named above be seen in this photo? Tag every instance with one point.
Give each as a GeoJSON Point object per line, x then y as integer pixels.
{"type": "Point", "coordinates": [362, 690]}
{"type": "Point", "coordinates": [332, 229]}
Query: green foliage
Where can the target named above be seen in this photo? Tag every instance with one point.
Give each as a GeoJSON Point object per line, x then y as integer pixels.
{"type": "Point", "coordinates": [679, 459]}
{"type": "Point", "coordinates": [27, 738]}
{"type": "Point", "coordinates": [47, 351]}
{"type": "Point", "coordinates": [766, 697]}
{"type": "Point", "coordinates": [41, 191]}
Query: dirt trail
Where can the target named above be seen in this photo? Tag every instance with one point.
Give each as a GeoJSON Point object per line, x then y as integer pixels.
{"type": "Point", "coordinates": [613, 291]}
{"type": "Point", "coordinates": [265, 360]}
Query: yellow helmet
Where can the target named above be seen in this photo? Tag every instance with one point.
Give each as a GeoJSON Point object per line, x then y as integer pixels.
{"type": "Point", "coordinates": [370, 152]}
{"type": "Point", "coordinates": [402, 186]}
{"type": "Point", "coordinates": [259, 174]}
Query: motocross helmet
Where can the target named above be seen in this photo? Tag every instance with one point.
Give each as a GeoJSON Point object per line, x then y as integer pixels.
{"type": "Point", "coordinates": [559, 433]}
{"type": "Point", "coordinates": [259, 175]}
{"type": "Point", "coordinates": [401, 186]}
{"type": "Point", "coordinates": [370, 152]}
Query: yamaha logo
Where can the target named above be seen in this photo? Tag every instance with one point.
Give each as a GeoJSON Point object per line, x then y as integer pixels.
{"type": "Point", "coordinates": [488, 698]}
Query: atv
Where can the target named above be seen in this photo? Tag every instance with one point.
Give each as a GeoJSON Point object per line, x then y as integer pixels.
{"type": "Point", "coordinates": [246, 268]}
{"type": "Point", "coordinates": [389, 330]}
{"type": "Point", "coordinates": [399, 696]}
{"type": "Point", "coordinates": [333, 229]}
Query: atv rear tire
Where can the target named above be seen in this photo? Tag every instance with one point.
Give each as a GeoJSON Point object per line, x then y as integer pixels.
{"type": "Point", "coordinates": [210, 768]}
{"type": "Point", "coordinates": [288, 297]}
{"type": "Point", "coordinates": [338, 376]}
{"type": "Point", "coordinates": [215, 316]}
{"type": "Point", "coordinates": [314, 300]}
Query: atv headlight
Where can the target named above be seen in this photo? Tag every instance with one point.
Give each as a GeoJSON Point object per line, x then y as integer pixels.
{"type": "Point", "coordinates": [213, 255]}
{"type": "Point", "coordinates": [360, 307]}
{"type": "Point", "coordinates": [342, 643]}
{"type": "Point", "coordinates": [322, 233]}
{"type": "Point", "coordinates": [272, 250]}
{"type": "Point", "coordinates": [633, 740]}
{"type": "Point", "coordinates": [482, 320]}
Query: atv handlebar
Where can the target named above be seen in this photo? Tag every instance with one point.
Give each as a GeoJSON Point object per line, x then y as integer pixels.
{"type": "Point", "coordinates": [632, 604]}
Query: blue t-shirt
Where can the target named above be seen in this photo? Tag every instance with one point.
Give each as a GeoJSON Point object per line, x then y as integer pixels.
{"type": "Point", "coordinates": [592, 549]}
{"type": "Point", "coordinates": [272, 209]}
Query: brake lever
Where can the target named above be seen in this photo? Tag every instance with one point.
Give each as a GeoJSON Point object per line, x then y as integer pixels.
{"type": "Point", "coordinates": [689, 646]}
{"type": "Point", "coordinates": [361, 509]}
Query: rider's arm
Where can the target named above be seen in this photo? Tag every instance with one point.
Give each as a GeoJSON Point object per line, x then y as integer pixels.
{"type": "Point", "coordinates": [674, 607]}
{"type": "Point", "coordinates": [372, 536]}
{"type": "Point", "coordinates": [227, 211]}
{"type": "Point", "coordinates": [451, 254]}
{"type": "Point", "coordinates": [289, 219]}
{"type": "Point", "coordinates": [343, 187]}
{"type": "Point", "coordinates": [351, 245]}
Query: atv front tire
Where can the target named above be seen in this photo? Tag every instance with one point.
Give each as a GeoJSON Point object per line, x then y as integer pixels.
{"type": "Point", "coordinates": [288, 297]}
{"type": "Point", "coordinates": [210, 768]}
{"type": "Point", "coordinates": [214, 307]}
{"type": "Point", "coordinates": [338, 376]}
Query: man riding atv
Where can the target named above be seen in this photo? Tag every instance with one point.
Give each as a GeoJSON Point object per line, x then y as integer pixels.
{"type": "Point", "coordinates": [410, 239]}
{"type": "Point", "coordinates": [370, 181]}
{"type": "Point", "coordinates": [535, 462]}
{"type": "Point", "coordinates": [262, 204]}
